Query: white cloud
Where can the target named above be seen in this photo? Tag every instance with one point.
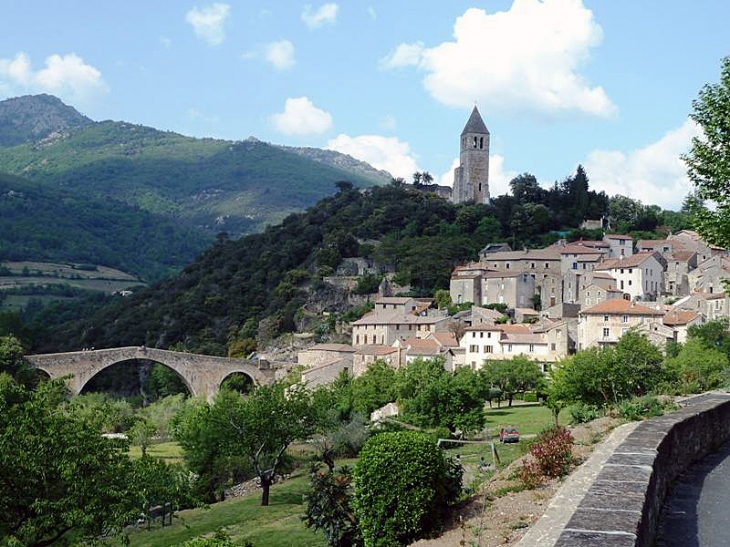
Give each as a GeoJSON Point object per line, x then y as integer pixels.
{"type": "Point", "coordinates": [208, 22]}
{"type": "Point", "coordinates": [387, 153]}
{"type": "Point", "coordinates": [372, 13]}
{"type": "Point", "coordinates": [326, 14]}
{"type": "Point", "coordinates": [524, 59]}
{"type": "Point", "coordinates": [280, 54]}
{"type": "Point", "coordinates": [301, 117]}
{"type": "Point", "coordinates": [401, 56]}
{"type": "Point", "coordinates": [654, 174]}
{"type": "Point", "coordinates": [66, 76]}
{"type": "Point", "coordinates": [498, 177]}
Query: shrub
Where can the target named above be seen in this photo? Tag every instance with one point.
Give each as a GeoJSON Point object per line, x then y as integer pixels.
{"type": "Point", "coordinates": [403, 484]}
{"type": "Point", "coordinates": [551, 456]}
{"type": "Point", "coordinates": [329, 507]}
{"type": "Point", "coordinates": [640, 408]}
{"type": "Point", "coordinates": [582, 413]}
{"type": "Point", "coordinates": [530, 397]}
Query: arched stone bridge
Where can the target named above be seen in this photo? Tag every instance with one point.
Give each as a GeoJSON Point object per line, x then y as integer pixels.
{"type": "Point", "coordinates": [202, 374]}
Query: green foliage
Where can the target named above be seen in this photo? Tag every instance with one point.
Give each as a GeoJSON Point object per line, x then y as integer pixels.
{"type": "Point", "coordinates": [640, 408]}
{"type": "Point", "coordinates": [581, 413]}
{"type": "Point", "coordinates": [142, 433]}
{"type": "Point", "coordinates": [429, 396]}
{"type": "Point", "coordinates": [368, 284]}
{"type": "Point", "coordinates": [373, 388]}
{"type": "Point", "coordinates": [697, 367]}
{"type": "Point", "coordinates": [442, 298]}
{"type": "Point", "coordinates": [605, 376]}
{"type": "Point", "coordinates": [512, 376]}
{"type": "Point", "coordinates": [329, 507]}
{"type": "Point", "coordinates": [402, 486]}
{"type": "Point", "coordinates": [58, 475]}
{"type": "Point", "coordinates": [44, 222]}
{"type": "Point", "coordinates": [154, 482]}
{"type": "Point", "coordinates": [219, 539]}
{"type": "Point", "coordinates": [708, 161]}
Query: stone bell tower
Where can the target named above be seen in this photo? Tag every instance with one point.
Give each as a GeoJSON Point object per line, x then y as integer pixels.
{"type": "Point", "coordinates": [471, 178]}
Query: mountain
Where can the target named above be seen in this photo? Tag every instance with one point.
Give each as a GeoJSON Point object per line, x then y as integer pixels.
{"type": "Point", "coordinates": [41, 223]}
{"type": "Point", "coordinates": [214, 185]}
{"type": "Point", "coordinates": [342, 161]}
{"type": "Point", "coordinates": [34, 117]}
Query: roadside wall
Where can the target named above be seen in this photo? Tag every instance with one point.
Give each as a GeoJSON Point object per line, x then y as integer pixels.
{"type": "Point", "coordinates": [622, 505]}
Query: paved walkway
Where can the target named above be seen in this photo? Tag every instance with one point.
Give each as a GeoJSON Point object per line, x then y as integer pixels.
{"type": "Point", "coordinates": [547, 530]}
{"type": "Point", "coordinates": [697, 512]}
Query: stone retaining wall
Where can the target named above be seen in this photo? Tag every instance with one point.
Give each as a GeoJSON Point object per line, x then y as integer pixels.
{"type": "Point", "coordinates": [621, 507]}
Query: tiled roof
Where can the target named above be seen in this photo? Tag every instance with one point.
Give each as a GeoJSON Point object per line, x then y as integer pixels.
{"type": "Point", "coordinates": [682, 256]}
{"type": "Point", "coordinates": [573, 249]}
{"type": "Point", "coordinates": [617, 236]}
{"type": "Point", "coordinates": [421, 346]}
{"type": "Point", "coordinates": [332, 347]}
{"type": "Point", "coordinates": [679, 317]}
{"type": "Point", "coordinates": [376, 350]}
{"type": "Point", "coordinates": [392, 300]}
{"type": "Point", "coordinates": [619, 306]}
{"type": "Point", "coordinates": [475, 124]}
{"type": "Point", "coordinates": [446, 339]}
{"type": "Point", "coordinates": [628, 262]}
{"type": "Point", "coordinates": [397, 318]}
{"type": "Point", "coordinates": [523, 339]}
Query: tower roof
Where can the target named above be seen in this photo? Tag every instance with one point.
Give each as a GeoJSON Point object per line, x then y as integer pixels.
{"type": "Point", "coordinates": [475, 124]}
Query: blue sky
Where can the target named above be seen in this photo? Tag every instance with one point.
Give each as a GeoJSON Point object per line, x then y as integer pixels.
{"type": "Point", "coordinates": [605, 83]}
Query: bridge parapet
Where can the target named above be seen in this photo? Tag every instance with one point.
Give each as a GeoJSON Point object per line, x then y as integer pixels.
{"type": "Point", "coordinates": [202, 374]}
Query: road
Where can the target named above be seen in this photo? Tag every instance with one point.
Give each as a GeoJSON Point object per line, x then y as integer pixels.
{"type": "Point", "coordinates": [697, 514]}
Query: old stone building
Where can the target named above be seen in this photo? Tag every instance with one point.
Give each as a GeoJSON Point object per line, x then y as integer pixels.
{"type": "Point", "coordinates": [471, 178]}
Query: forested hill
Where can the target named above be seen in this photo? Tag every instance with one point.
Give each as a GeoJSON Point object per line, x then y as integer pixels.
{"type": "Point", "coordinates": [215, 185]}
{"type": "Point", "coordinates": [219, 299]}
{"type": "Point", "coordinates": [42, 223]}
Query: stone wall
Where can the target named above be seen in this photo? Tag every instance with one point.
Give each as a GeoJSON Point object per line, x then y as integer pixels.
{"type": "Point", "coordinates": [622, 506]}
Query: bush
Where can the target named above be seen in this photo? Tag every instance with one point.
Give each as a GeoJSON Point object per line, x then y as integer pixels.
{"type": "Point", "coordinates": [583, 413]}
{"type": "Point", "coordinates": [551, 456]}
{"type": "Point", "coordinates": [640, 408]}
{"type": "Point", "coordinates": [403, 484]}
{"type": "Point", "coordinates": [329, 507]}
{"type": "Point", "coordinates": [530, 397]}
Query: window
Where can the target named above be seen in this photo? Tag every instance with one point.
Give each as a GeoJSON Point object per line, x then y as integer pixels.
{"type": "Point", "coordinates": [532, 348]}
{"type": "Point", "coordinates": [489, 335]}
{"type": "Point", "coordinates": [481, 335]}
{"type": "Point", "coordinates": [625, 319]}
{"type": "Point", "coordinates": [474, 348]}
{"type": "Point", "coordinates": [547, 265]}
{"type": "Point", "coordinates": [552, 347]}
{"type": "Point", "coordinates": [631, 270]}
{"type": "Point", "coordinates": [532, 265]}
{"type": "Point", "coordinates": [629, 282]}
{"type": "Point", "coordinates": [605, 318]}
{"type": "Point", "coordinates": [357, 340]}
{"type": "Point", "coordinates": [605, 333]}
{"type": "Point", "coordinates": [487, 349]}
{"type": "Point", "coordinates": [575, 265]}
{"type": "Point", "coordinates": [509, 347]}
{"type": "Point", "coordinates": [622, 270]}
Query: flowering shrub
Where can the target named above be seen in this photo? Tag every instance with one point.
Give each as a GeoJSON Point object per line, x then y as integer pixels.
{"type": "Point", "coordinates": [551, 456]}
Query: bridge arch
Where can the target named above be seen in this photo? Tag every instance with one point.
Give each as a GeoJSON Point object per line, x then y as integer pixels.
{"type": "Point", "coordinates": [129, 373]}
{"type": "Point", "coordinates": [203, 374]}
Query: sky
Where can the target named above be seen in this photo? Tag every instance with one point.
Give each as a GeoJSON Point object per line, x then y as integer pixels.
{"type": "Point", "coordinates": [607, 84]}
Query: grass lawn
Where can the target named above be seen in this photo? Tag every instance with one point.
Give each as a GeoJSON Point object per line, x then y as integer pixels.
{"type": "Point", "coordinates": [169, 452]}
{"type": "Point", "coordinates": [528, 418]}
{"type": "Point", "coordinates": [279, 524]}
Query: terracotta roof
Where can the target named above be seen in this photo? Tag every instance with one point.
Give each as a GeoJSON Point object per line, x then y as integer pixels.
{"type": "Point", "coordinates": [593, 243]}
{"type": "Point", "coordinates": [515, 329]}
{"type": "Point", "coordinates": [603, 275]}
{"type": "Point", "coordinates": [446, 339]}
{"type": "Point", "coordinates": [617, 236]}
{"type": "Point", "coordinates": [653, 243]}
{"type": "Point", "coordinates": [484, 327]}
{"type": "Point", "coordinates": [679, 317]}
{"type": "Point", "coordinates": [421, 346]}
{"type": "Point", "coordinates": [376, 350]}
{"type": "Point", "coordinates": [682, 256]}
{"type": "Point", "coordinates": [524, 339]}
{"type": "Point", "coordinates": [397, 318]}
{"type": "Point", "coordinates": [332, 347]}
{"type": "Point", "coordinates": [619, 306]}
{"type": "Point", "coordinates": [628, 262]}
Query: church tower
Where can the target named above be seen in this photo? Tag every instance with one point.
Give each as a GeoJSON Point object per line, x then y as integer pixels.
{"type": "Point", "coordinates": [471, 178]}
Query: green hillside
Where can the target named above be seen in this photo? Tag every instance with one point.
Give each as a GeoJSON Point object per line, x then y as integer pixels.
{"type": "Point", "coordinates": [42, 223]}
{"type": "Point", "coordinates": [216, 185]}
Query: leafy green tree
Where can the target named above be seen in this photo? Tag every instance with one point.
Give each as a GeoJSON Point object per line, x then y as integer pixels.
{"type": "Point", "coordinates": [58, 475]}
{"type": "Point", "coordinates": [373, 388]}
{"type": "Point", "coordinates": [265, 423]}
{"type": "Point", "coordinates": [329, 507]}
{"type": "Point", "coordinates": [713, 334]}
{"type": "Point", "coordinates": [708, 161]}
{"type": "Point", "coordinates": [513, 376]}
{"type": "Point", "coordinates": [442, 298]}
{"type": "Point", "coordinates": [403, 484]}
{"type": "Point", "coordinates": [697, 367]}
{"type": "Point", "coordinates": [605, 376]}
{"type": "Point", "coordinates": [142, 434]}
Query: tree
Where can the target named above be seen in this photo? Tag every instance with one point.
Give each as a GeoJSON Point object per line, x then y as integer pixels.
{"type": "Point", "coordinates": [514, 376]}
{"type": "Point", "coordinates": [329, 507]}
{"type": "Point", "coordinates": [58, 475]}
{"type": "Point", "coordinates": [442, 298]}
{"type": "Point", "coordinates": [374, 388]}
{"type": "Point", "coordinates": [142, 433]}
{"type": "Point", "coordinates": [697, 367]}
{"type": "Point", "coordinates": [708, 161]}
{"type": "Point", "coordinates": [265, 423]}
{"type": "Point", "coordinates": [403, 483]}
